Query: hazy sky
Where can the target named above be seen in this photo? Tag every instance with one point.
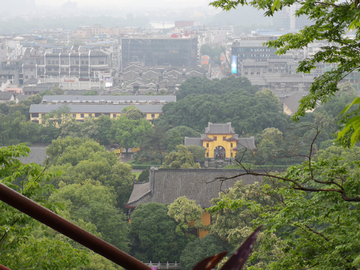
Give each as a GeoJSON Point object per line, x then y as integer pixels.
{"type": "Point", "coordinates": [125, 3]}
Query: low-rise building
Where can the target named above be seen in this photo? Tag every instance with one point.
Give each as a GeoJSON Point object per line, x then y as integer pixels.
{"type": "Point", "coordinates": [6, 97]}
{"type": "Point", "coordinates": [115, 100]}
{"type": "Point", "coordinates": [80, 112]}
{"type": "Point", "coordinates": [37, 88]}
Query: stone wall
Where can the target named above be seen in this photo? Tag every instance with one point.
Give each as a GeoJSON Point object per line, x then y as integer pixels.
{"type": "Point", "coordinates": [166, 185]}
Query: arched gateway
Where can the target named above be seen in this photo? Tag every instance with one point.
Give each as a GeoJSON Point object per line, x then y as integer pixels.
{"type": "Point", "coordinates": [219, 152]}
{"type": "Point", "coordinates": [221, 141]}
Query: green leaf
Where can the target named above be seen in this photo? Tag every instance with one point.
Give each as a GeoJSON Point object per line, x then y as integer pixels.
{"type": "Point", "coordinates": [275, 6]}
{"type": "Point", "coordinates": [356, 261]}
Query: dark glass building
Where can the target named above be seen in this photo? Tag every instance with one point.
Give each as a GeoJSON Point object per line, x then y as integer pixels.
{"type": "Point", "coordinates": [160, 51]}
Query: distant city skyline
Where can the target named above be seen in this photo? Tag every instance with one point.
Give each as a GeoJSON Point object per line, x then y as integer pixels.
{"type": "Point", "coordinates": [122, 3]}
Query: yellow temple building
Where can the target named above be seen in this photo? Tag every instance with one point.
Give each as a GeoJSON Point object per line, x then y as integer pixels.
{"type": "Point", "coordinates": [221, 141]}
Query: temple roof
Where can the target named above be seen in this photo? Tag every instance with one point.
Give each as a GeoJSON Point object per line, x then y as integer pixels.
{"type": "Point", "coordinates": [166, 185]}
{"type": "Point", "coordinates": [293, 102]}
{"type": "Point", "coordinates": [204, 137]}
{"type": "Point", "coordinates": [139, 190]}
{"type": "Point", "coordinates": [219, 128]}
{"type": "Point", "coordinates": [248, 143]}
{"type": "Point", "coordinates": [37, 155]}
{"type": "Point", "coordinates": [192, 141]}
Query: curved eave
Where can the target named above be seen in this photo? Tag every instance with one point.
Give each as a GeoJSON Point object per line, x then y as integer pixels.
{"type": "Point", "coordinates": [128, 205]}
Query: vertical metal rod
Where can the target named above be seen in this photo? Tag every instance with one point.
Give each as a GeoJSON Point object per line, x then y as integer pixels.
{"type": "Point", "coordinates": [40, 213]}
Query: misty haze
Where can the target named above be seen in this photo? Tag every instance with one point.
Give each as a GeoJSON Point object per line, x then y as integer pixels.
{"type": "Point", "coordinates": [176, 130]}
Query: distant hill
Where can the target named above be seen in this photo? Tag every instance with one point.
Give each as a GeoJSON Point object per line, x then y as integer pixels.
{"type": "Point", "coordinates": [17, 6]}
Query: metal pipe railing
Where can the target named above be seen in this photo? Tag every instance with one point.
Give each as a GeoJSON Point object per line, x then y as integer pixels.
{"type": "Point", "coordinates": [54, 221]}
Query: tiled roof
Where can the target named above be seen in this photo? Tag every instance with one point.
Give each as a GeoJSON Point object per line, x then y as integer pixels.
{"type": "Point", "coordinates": [233, 137]}
{"type": "Point", "coordinates": [37, 155]}
{"type": "Point", "coordinates": [192, 141]}
{"type": "Point", "coordinates": [219, 128]}
{"type": "Point", "coordinates": [5, 95]}
{"type": "Point", "coordinates": [204, 137]}
{"type": "Point", "coordinates": [166, 185]}
{"type": "Point", "coordinates": [139, 191]}
{"type": "Point", "coordinates": [293, 102]}
{"type": "Point", "coordinates": [248, 143]}
{"type": "Point", "coordinates": [46, 108]}
{"type": "Point", "coordinates": [32, 81]}
{"type": "Point", "coordinates": [38, 87]}
{"type": "Point", "coordinates": [70, 99]}
{"type": "Point", "coordinates": [7, 72]}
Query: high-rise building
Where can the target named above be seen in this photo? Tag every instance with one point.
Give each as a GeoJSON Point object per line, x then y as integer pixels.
{"type": "Point", "coordinates": [176, 51]}
{"type": "Point", "coordinates": [252, 49]}
{"type": "Point", "coordinates": [84, 64]}
{"type": "Point", "coordinates": [287, 20]}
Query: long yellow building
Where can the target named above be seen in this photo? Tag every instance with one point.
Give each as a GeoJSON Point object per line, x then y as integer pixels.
{"type": "Point", "coordinates": [80, 112]}
{"type": "Point", "coordinates": [221, 141]}
{"type": "Point", "coordinates": [82, 107]}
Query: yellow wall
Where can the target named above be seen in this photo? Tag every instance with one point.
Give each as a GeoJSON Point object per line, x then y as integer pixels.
{"type": "Point", "coordinates": [82, 116]}
{"type": "Point", "coordinates": [123, 150]}
{"type": "Point", "coordinates": [209, 152]}
{"type": "Point", "coordinates": [78, 116]}
{"type": "Point", "coordinates": [206, 220]}
{"type": "Point", "coordinates": [151, 116]}
{"type": "Point", "coordinates": [148, 116]}
{"type": "Point", "coordinates": [32, 119]}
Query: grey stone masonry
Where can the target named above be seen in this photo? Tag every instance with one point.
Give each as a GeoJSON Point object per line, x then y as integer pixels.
{"type": "Point", "coordinates": [166, 185]}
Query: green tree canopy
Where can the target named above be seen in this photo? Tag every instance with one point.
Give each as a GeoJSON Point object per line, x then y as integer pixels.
{"type": "Point", "coordinates": [173, 139]}
{"type": "Point", "coordinates": [90, 128]}
{"type": "Point", "coordinates": [34, 99]}
{"type": "Point", "coordinates": [198, 250]}
{"type": "Point", "coordinates": [95, 204]}
{"type": "Point", "coordinates": [181, 159]}
{"type": "Point", "coordinates": [83, 160]}
{"type": "Point", "coordinates": [133, 113]}
{"type": "Point", "coordinates": [274, 135]}
{"type": "Point", "coordinates": [249, 112]}
{"type": "Point", "coordinates": [24, 243]}
{"type": "Point", "coordinates": [186, 131]}
{"type": "Point", "coordinates": [152, 234]}
{"type": "Point", "coordinates": [14, 129]}
{"type": "Point", "coordinates": [129, 132]}
{"type": "Point", "coordinates": [311, 220]}
{"type": "Point", "coordinates": [73, 150]}
{"type": "Point", "coordinates": [57, 117]}
{"type": "Point", "coordinates": [198, 152]}
{"type": "Point", "coordinates": [344, 155]}
{"type": "Point", "coordinates": [184, 211]}
{"type": "Point", "coordinates": [153, 145]}
{"type": "Point", "coordinates": [197, 85]}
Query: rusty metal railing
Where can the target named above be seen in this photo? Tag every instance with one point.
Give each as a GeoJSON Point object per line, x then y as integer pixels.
{"type": "Point", "coordinates": [54, 221]}
{"type": "Point", "coordinates": [4, 268]}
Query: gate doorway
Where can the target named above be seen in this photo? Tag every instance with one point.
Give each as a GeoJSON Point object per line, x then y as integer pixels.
{"type": "Point", "coordinates": [219, 152]}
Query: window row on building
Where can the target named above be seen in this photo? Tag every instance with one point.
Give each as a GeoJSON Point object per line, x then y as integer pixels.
{"type": "Point", "coordinates": [80, 112]}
